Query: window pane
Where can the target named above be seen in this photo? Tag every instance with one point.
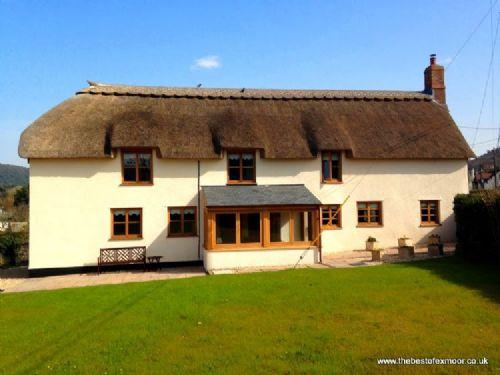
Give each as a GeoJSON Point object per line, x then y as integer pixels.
{"type": "Point", "coordinates": [174, 227]}
{"type": "Point", "coordinates": [299, 226]}
{"type": "Point", "coordinates": [361, 205]}
{"type": "Point", "coordinates": [144, 174]}
{"type": "Point", "coordinates": [247, 160]}
{"type": "Point", "coordinates": [119, 216]}
{"type": "Point", "coordinates": [248, 174]}
{"type": "Point", "coordinates": [335, 215]}
{"type": "Point", "coordinates": [189, 214]}
{"type": "Point", "coordinates": [374, 206]}
{"type": "Point", "coordinates": [326, 170]}
{"type": "Point", "coordinates": [129, 160]}
{"type": "Point", "coordinates": [129, 174]}
{"type": "Point", "coordinates": [144, 160]}
{"type": "Point", "coordinates": [335, 157]}
{"type": "Point", "coordinates": [234, 160]}
{"type": "Point", "coordinates": [134, 228]}
{"type": "Point", "coordinates": [225, 228]}
{"type": "Point", "coordinates": [250, 227]}
{"type": "Point", "coordinates": [423, 205]}
{"type": "Point", "coordinates": [336, 173]}
{"type": "Point", "coordinates": [234, 174]}
{"type": "Point", "coordinates": [189, 227]}
{"type": "Point", "coordinates": [119, 229]}
{"type": "Point", "coordinates": [175, 214]}
{"type": "Point", "coordinates": [280, 226]}
{"type": "Point", "coordinates": [134, 215]}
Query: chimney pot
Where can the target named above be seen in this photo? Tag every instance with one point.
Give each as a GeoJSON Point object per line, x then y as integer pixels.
{"type": "Point", "coordinates": [433, 59]}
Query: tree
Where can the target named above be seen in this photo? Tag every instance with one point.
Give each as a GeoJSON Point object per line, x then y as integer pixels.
{"type": "Point", "coordinates": [22, 196]}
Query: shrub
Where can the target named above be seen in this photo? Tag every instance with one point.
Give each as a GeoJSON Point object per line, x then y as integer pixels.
{"type": "Point", "coordinates": [11, 245]}
{"type": "Point", "coordinates": [478, 224]}
{"type": "Point", "coordinates": [22, 196]}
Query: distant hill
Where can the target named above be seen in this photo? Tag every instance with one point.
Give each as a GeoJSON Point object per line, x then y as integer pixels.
{"type": "Point", "coordinates": [13, 175]}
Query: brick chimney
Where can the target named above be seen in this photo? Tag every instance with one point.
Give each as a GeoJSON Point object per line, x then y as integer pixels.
{"type": "Point", "coordinates": [434, 81]}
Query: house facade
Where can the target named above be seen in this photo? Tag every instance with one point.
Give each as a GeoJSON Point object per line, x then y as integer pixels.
{"type": "Point", "coordinates": [239, 177]}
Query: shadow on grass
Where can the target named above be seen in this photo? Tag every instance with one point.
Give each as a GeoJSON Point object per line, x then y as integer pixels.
{"type": "Point", "coordinates": [481, 276]}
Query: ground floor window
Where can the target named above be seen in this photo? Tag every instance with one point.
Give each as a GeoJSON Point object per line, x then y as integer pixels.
{"type": "Point", "coordinates": [126, 223]}
{"type": "Point", "coordinates": [330, 217]}
{"type": "Point", "coordinates": [263, 227]}
{"type": "Point", "coordinates": [181, 221]}
{"type": "Point", "coordinates": [429, 213]}
{"type": "Point", "coordinates": [369, 213]}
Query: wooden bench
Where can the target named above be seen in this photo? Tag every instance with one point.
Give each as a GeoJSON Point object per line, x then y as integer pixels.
{"type": "Point", "coordinates": [121, 255]}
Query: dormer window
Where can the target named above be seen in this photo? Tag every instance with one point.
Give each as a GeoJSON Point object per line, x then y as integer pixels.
{"type": "Point", "coordinates": [331, 167]}
{"type": "Point", "coordinates": [241, 167]}
{"type": "Point", "coordinates": [137, 167]}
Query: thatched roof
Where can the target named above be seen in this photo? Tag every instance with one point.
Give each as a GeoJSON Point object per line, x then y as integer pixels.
{"type": "Point", "coordinates": [199, 123]}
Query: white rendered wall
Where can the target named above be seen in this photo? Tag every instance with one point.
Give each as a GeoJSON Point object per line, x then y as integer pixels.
{"type": "Point", "coordinates": [71, 201]}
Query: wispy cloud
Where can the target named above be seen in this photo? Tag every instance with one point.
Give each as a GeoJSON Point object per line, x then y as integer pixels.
{"type": "Point", "coordinates": [207, 62]}
{"type": "Point", "coordinates": [445, 61]}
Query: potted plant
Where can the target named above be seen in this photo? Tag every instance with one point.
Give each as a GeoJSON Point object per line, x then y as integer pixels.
{"type": "Point", "coordinates": [405, 241]}
{"type": "Point", "coordinates": [434, 246]}
{"type": "Point", "coordinates": [434, 239]}
{"type": "Point", "coordinates": [371, 243]}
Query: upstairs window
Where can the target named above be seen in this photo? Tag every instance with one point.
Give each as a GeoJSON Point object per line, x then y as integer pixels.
{"type": "Point", "coordinates": [369, 214]}
{"type": "Point", "coordinates": [137, 167]}
{"type": "Point", "coordinates": [181, 221]}
{"type": "Point", "coordinates": [331, 217]}
{"type": "Point", "coordinates": [429, 213]}
{"type": "Point", "coordinates": [241, 167]}
{"type": "Point", "coordinates": [331, 167]}
{"type": "Point", "coordinates": [126, 223]}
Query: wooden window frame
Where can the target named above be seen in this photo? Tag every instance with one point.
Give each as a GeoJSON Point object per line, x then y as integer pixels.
{"type": "Point", "coordinates": [126, 236]}
{"type": "Point", "coordinates": [338, 212]}
{"type": "Point", "coordinates": [265, 236]}
{"type": "Point", "coordinates": [183, 233]}
{"type": "Point", "coordinates": [380, 222]}
{"type": "Point", "coordinates": [136, 151]}
{"type": "Point", "coordinates": [331, 180]}
{"type": "Point", "coordinates": [240, 168]}
{"type": "Point", "coordinates": [438, 213]}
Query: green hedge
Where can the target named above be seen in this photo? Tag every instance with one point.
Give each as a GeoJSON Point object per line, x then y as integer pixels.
{"type": "Point", "coordinates": [478, 224]}
{"type": "Point", "coordinates": [11, 246]}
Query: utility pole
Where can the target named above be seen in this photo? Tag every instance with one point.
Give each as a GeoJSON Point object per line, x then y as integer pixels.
{"type": "Point", "coordinates": [495, 166]}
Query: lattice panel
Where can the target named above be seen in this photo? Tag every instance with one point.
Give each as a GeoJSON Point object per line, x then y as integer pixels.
{"type": "Point", "coordinates": [123, 255]}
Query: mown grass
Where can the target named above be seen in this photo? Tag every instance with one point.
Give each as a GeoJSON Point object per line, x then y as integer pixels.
{"type": "Point", "coordinates": [308, 321]}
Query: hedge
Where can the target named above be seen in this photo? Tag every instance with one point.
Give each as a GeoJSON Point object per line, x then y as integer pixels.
{"type": "Point", "coordinates": [478, 224]}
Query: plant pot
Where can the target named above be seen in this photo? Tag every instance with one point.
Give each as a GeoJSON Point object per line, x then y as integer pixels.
{"type": "Point", "coordinates": [435, 250]}
{"type": "Point", "coordinates": [405, 242]}
{"type": "Point", "coordinates": [376, 255]}
{"type": "Point", "coordinates": [370, 246]}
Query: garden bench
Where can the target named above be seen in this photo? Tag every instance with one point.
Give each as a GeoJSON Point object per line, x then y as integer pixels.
{"type": "Point", "coordinates": [121, 255]}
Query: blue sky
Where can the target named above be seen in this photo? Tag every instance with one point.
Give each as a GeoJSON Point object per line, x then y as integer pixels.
{"type": "Point", "coordinates": [49, 48]}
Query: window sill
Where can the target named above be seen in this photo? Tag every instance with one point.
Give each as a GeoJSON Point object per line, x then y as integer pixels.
{"type": "Point", "coordinates": [136, 184]}
{"type": "Point", "coordinates": [242, 183]}
{"type": "Point", "coordinates": [369, 226]}
{"type": "Point", "coordinates": [330, 227]}
{"type": "Point", "coordinates": [125, 238]}
{"type": "Point", "coordinates": [181, 235]}
{"type": "Point", "coordinates": [429, 225]}
{"type": "Point", "coordinates": [333, 182]}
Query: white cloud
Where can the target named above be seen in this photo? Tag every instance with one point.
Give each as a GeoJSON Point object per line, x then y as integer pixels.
{"type": "Point", "coordinates": [445, 61]}
{"type": "Point", "coordinates": [207, 62]}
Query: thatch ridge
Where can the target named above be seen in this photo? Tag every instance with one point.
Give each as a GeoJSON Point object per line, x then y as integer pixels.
{"type": "Point", "coordinates": [199, 123]}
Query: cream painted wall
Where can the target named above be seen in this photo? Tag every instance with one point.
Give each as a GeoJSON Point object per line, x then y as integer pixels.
{"type": "Point", "coordinates": [71, 201]}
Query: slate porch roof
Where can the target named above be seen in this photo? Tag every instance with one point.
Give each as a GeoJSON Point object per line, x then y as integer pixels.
{"type": "Point", "coordinates": [258, 195]}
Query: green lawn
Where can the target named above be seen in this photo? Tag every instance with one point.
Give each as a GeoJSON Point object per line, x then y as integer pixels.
{"type": "Point", "coordinates": [321, 320]}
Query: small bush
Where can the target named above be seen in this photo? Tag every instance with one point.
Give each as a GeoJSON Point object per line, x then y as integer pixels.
{"type": "Point", "coordinates": [478, 224]}
{"type": "Point", "coordinates": [11, 246]}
